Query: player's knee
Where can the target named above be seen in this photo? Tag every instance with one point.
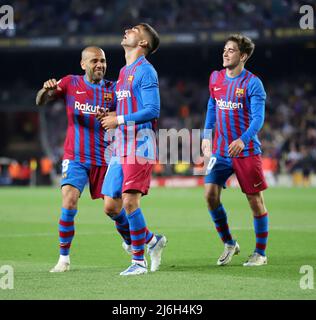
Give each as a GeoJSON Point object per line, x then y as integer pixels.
{"type": "Point", "coordinates": [111, 210]}
{"type": "Point", "coordinates": [256, 203]}
{"type": "Point", "coordinates": [70, 203]}
{"type": "Point", "coordinates": [130, 205]}
{"type": "Point", "coordinates": [212, 199]}
{"type": "Point", "coordinates": [70, 197]}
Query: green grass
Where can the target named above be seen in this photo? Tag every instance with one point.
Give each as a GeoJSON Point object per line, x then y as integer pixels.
{"type": "Point", "coordinates": [29, 242]}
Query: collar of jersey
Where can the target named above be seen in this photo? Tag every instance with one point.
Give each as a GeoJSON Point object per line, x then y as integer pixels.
{"type": "Point", "coordinates": [91, 84]}
{"type": "Point", "coordinates": [240, 75]}
{"type": "Point", "coordinates": [137, 60]}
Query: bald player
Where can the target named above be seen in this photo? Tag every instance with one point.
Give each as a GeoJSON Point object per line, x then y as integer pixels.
{"type": "Point", "coordinates": [85, 159]}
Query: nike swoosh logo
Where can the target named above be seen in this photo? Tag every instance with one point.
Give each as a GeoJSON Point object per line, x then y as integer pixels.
{"type": "Point", "coordinates": [216, 89]}
{"type": "Point", "coordinates": [223, 259]}
{"type": "Point", "coordinates": [257, 185]}
{"type": "Point", "coordinates": [128, 182]}
{"type": "Point", "coordinates": [80, 92]}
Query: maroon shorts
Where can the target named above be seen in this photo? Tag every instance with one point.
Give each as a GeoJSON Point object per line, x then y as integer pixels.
{"type": "Point", "coordinates": [96, 177]}
{"type": "Point", "coordinates": [137, 175]}
{"type": "Point", "coordinates": [249, 173]}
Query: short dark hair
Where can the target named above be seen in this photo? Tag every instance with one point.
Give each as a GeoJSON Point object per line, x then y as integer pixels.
{"type": "Point", "coordinates": [245, 44]}
{"type": "Point", "coordinates": [154, 38]}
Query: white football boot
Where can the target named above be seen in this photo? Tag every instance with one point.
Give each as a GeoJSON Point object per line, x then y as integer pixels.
{"type": "Point", "coordinates": [229, 251]}
{"type": "Point", "coordinates": [155, 252]}
{"type": "Point", "coordinates": [135, 269]}
{"type": "Point", "coordinates": [256, 260]}
{"type": "Point", "coordinates": [62, 265]}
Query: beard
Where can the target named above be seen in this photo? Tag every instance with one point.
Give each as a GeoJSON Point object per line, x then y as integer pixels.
{"type": "Point", "coordinates": [97, 75]}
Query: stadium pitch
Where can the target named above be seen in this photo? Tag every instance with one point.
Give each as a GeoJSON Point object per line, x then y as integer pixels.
{"type": "Point", "coordinates": [29, 243]}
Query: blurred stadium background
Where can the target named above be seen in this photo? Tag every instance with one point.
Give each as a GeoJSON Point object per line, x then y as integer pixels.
{"type": "Point", "coordinates": [49, 36]}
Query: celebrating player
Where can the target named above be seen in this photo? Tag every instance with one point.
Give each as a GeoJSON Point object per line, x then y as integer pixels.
{"type": "Point", "coordinates": [236, 111]}
{"type": "Point", "coordinates": [126, 181]}
{"type": "Point", "coordinates": [85, 142]}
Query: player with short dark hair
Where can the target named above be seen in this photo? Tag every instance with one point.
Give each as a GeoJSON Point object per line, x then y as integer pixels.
{"type": "Point", "coordinates": [129, 173]}
{"type": "Point", "coordinates": [85, 144]}
{"type": "Point", "coordinates": [236, 112]}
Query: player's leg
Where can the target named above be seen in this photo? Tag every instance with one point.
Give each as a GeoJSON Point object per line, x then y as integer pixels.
{"type": "Point", "coordinates": [136, 184]}
{"type": "Point", "coordinates": [112, 192]}
{"type": "Point", "coordinates": [219, 170]}
{"type": "Point", "coordinates": [261, 227]}
{"type": "Point", "coordinates": [74, 178]}
{"type": "Point", "coordinates": [112, 207]}
{"type": "Point", "coordinates": [137, 227]}
{"type": "Point", "coordinates": [114, 210]}
{"type": "Point", "coordinates": [250, 176]}
{"type": "Point", "coordinates": [70, 196]}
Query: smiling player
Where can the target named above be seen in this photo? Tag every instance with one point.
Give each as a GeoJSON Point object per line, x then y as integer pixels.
{"type": "Point", "coordinates": [236, 111]}
{"type": "Point", "coordinates": [84, 146]}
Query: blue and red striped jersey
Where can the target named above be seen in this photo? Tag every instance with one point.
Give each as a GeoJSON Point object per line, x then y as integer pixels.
{"type": "Point", "coordinates": [85, 139]}
{"type": "Point", "coordinates": [138, 100]}
{"type": "Point", "coordinates": [236, 110]}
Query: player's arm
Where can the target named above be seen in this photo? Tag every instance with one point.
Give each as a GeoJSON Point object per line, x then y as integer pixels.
{"type": "Point", "coordinates": [257, 98]}
{"type": "Point", "coordinates": [149, 89]}
{"type": "Point", "coordinates": [47, 93]}
{"type": "Point", "coordinates": [210, 121]}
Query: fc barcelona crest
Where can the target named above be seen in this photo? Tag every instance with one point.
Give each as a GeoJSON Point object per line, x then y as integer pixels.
{"type": "Point", "coordinates": [130, 78]}
{"type": "Point", "coordinates": [108, 96]}
{"type": "Point", "coordinates": [239, 92]}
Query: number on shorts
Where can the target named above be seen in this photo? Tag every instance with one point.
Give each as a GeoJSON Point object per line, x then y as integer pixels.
{"type": "Point", "coordinates": [211, 164]}
{"type": "Point", "coordinates": [65, 165]}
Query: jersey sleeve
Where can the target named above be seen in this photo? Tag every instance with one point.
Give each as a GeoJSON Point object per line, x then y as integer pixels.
{"type": "Point", "coordinates": [149, 91]}
{"type": "Point", "coordinates": [62, 86]}
{"type": "Point", "coordinates": [257, 97]}
{"type": "Point", "coordinates": [210, 118]}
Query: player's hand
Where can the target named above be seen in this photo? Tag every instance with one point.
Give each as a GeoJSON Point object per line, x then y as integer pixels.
{"type": "Point", "coordinates": [206, 147]}
{"type": "Point", "coordinates": [235, 148]}
{"type": "Point", "coordinates": [50, 84]}
{"type": "Point", "coordinates": [109, 122]}
{"type": "Point", "coordinates": [101, 113]}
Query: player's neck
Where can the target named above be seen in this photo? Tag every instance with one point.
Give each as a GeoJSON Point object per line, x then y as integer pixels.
{"type": "Point", "coordinates": [93, 81]}
{"type": "Point", "coordinates": [232, 73]}
{"type": "Point", "coordinates": [132, 55]}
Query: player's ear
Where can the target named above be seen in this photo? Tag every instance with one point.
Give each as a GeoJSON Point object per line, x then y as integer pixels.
{"type": "Point", "coordinates": [143, 43]}
{"type": "Point", "coordinates": [83, 65]}
{"type": "Point", "coordinates": [244, 57]}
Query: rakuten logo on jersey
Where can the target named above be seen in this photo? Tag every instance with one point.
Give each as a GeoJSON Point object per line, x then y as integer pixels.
{"type": "Point", "coordinates": [86, 108]}
{"type": "Point", "coordinates": [228, 105]}
{"type": "Point", "coordinates": [120, 95]}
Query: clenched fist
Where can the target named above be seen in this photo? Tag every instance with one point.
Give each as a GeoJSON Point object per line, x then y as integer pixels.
{"type": "Point", "coordinates": [50, 84]}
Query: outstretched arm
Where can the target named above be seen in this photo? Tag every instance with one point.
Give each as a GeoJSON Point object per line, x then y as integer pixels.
{"type": "Point", "coordinates": [47, 93]}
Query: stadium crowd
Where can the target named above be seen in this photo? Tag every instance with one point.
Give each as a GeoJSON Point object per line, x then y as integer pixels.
{"type": "Point", "coordinates": [56, 17]}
